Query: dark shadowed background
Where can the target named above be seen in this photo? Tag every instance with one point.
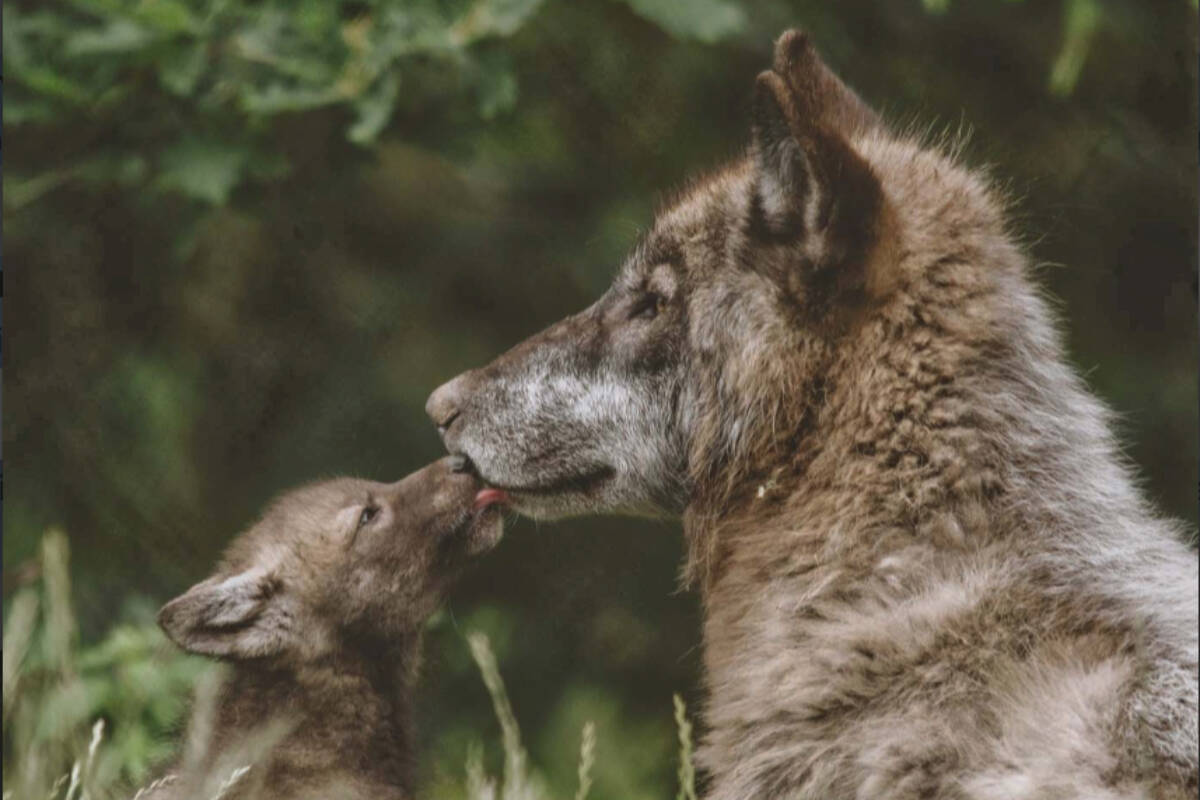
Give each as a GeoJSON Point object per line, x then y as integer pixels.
{"type": "Point", "coordinates": [246, 239]}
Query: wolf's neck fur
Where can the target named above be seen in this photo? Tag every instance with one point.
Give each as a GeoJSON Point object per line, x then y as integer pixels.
{"type": "Point", "coordinates": [973, 436]}
{"type": "Point", "coordinates": [345, 721]}
{"type": "Point", "coordinates": [948, 503]}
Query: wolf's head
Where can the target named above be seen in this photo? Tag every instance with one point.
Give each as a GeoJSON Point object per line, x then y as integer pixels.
{"type": "Point", "coordinates": [336, 563]}
{"type": "Point", "coordinates": [704, 364]}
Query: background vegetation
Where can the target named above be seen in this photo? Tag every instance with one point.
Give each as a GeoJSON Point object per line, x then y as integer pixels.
{"type": "Point", "coordinates": [252, 235]}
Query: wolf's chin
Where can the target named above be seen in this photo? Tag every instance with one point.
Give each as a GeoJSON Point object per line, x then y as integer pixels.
{"type": "Point", "coordinates": [552, 497]}
{"type": "Point", "coordinates": [584, 481]}
{"type": "Point", "coordinates": [610, 497]}
{"type": "Point", "coordinates": [558, 506]}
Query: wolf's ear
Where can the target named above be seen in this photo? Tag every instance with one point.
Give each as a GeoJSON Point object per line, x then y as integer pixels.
{"type": "Point", "coordinates": [818, 90]}
{"type": "Point", "coordinates": [813, 189]}
{"type": "Point", "coordinates": [234, 617]}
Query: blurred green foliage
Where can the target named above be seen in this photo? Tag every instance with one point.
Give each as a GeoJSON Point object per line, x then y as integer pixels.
{"type": "Point", "coordinates": [251, 237]}
{"type": "Point", "coordinates": [55, 691]}
{"type": "Point", "coordinates": [205, 81]}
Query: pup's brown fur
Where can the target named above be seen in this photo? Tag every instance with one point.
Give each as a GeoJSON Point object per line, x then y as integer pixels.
{"type": "Point", "coordinates": [926, 570]}
{"type": "Point", "coordinates": [319, 609]}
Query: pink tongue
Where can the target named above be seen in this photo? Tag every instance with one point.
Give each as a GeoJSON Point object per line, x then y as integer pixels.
{"type": "Point", "coordinates": [489, 497]}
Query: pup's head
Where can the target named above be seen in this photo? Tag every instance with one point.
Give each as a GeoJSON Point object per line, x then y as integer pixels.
{"type": "Point", "coordinates": [343, 560]}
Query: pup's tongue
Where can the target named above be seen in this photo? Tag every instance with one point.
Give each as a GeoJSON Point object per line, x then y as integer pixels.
{"type": "Point", "coordinates": [490, 497]}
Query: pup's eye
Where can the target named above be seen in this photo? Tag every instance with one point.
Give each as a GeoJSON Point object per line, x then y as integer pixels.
{"type": "Point", "coordinates": [648, 306]}
{"type": "Point", "coordinates": [368, 513]}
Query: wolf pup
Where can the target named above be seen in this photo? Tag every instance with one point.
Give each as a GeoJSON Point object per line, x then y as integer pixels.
{"type": "Point", "coordinates": [319, 609]}
{"type": "Point", "coordinates": [926, 569]}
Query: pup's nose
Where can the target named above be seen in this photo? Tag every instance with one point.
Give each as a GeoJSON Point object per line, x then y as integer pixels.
{"type": "Point", "coordinates": [445, 404]}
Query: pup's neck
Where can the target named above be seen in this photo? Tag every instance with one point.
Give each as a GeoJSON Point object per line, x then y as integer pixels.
{"type": "Point", "coordinates": [347, 717]}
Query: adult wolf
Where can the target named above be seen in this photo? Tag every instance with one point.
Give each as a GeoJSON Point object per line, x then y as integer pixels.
{"type": "Point", "coordinates": [925, 569]}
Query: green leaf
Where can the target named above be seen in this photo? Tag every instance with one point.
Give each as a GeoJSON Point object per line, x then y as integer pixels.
{"type": "Point", "coordinates": [16, 54]}
{"type": "Point", "coordinates": [493, 18]}
{"type": "Point", "coordinates": [496, 84]}
{"type": "Point", "coordinates": [271, 42]}
{"type": "Point", "coordinates": [204, 169]}
{"type": "Point", "coordinates": [497, 93]}
{"type": "Point", "coordinates": [19, 110]}
{"type": "Point", "coordinates": [45, 81]}
{"type": "Point", "coordinates": [181, 69]}
{"type": "Point", "coordinates": [125, 169]}
{"type": "Point", "coordinates": [167, 16]}
{"type": "Point", "coordinates": [316, 18]}
{"type": "Point", "coordinates": [117, 37]}
{"type": "Point", "coordinates": [374, 109]}
{"type": "Point", "coordinates": [1082, 18]}
{"type": "Point", "coordinates": [278, 99]}
{"type": "Point", "coordinates": [123, 643]}
{"type": "Point", "coordinates": [702, 20]}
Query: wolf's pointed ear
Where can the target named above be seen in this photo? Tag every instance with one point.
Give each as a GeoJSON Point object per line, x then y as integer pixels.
{"type": "Point", "coordinates": [234, 617]}
{"type": "Point", "coordinates": [813, 189]}
{"type": "Point", "coordinates": [817, 89]}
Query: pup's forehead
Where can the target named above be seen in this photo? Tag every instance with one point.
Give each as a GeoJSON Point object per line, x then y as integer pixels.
{"type": "Point", "coordinates": [323, 496]}
{"type": "Point", "coordinates": [298, 520]}
{"type": "Point", "coordinates": [310, 511]}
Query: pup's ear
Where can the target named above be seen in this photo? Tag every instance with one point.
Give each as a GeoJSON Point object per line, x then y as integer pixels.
{"type": "Point", "coordinates": [813, 190]}
{"type": "Point", "coordinates": [234, 617]}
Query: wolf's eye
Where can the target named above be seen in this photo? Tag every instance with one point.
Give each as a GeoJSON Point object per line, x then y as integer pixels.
{"type": "Point", "coordinates": [368, 513]}
{"type": "Point", "coordinates": [648, 306]}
